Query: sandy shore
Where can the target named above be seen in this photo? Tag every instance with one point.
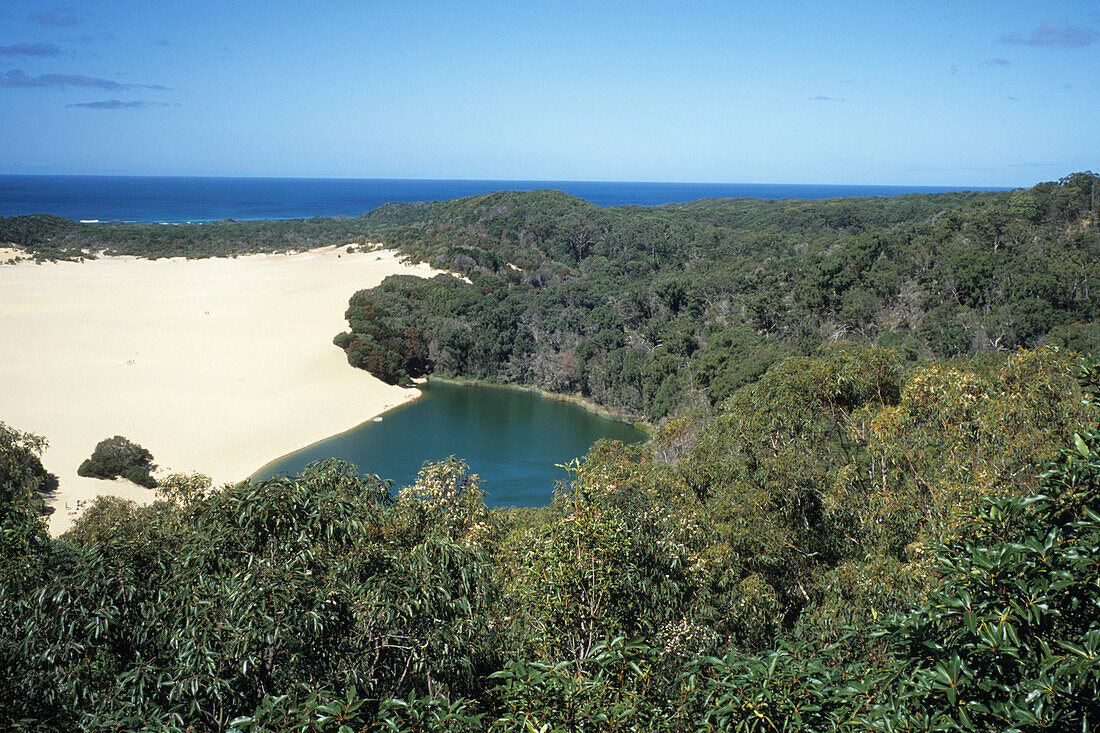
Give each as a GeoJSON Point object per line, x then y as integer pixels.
{"type": "Point", "coordinates": [216, 365]}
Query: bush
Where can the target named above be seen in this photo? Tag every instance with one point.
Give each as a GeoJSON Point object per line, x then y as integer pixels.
{"type": "Point", "coordinates": [1011, 638]}
{"type": "Point", "coordinates": [119, 456]}
{"type": "Point", "coordinates": [22, 475]}
{"type": "Point", "coordinates": [139, 476]}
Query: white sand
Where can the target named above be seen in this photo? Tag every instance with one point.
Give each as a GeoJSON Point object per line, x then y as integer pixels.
{"type": "Point", "coordinates": [216, 365]}
{"type": "Point", "coordinates": [10, 256]}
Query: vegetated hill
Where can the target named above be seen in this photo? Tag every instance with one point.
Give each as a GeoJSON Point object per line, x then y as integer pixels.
{"type": "Point", "coordinates": [654, 310]}
{"type": "Point", "coordinates": [48, 237]}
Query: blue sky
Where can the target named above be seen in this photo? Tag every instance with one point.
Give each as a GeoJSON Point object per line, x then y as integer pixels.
{"type": "Point", "coordinates": [960, 93]}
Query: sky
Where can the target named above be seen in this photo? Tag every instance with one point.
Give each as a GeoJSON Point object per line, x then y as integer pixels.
{"type": "Point", "coordinates": [956, 93]}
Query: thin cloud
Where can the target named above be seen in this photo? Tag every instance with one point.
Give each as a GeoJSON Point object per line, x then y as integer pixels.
{"type": "Point", "coordinates": [1051, 35]}
{"type": "Point", "coordinates": [18, 79]}
{"type": "Point", "coordinates": [60, 17]}
{"type": "Point", "coordinates": [945, 169]}
{"type": "Point", "coordinates": [86, 38]}
{"type": "Point", "coordinates": [30, 49]}
{"type": "Point", "coordinates": [117, 104]}
{"type": "Point", "coordinates": [823, 98]}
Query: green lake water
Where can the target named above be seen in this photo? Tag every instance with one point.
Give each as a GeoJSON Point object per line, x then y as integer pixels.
{"type": "Point", "coordinates": [511, 438]}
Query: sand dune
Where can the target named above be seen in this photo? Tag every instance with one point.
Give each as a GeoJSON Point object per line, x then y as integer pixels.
{"type": "Point", "coordinates": [215, 365]}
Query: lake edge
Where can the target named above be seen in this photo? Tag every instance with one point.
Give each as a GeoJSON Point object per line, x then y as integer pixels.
{"type": "Point", "coordinates": [583, 402]}
{"type": "Point", "coordinates": [392, 454]}
{"type": "Point", "coordinates": [373, 418]}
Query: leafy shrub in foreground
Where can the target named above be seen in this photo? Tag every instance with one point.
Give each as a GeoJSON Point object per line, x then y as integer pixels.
{"type": "Point", "coordinates": [1011, 638]}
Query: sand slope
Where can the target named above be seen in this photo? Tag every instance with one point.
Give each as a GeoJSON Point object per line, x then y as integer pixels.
{"type": "Point", "coordinates": [215, 365]}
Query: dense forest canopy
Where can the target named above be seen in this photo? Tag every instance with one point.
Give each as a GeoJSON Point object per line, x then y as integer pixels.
{"type": "Point", "coordinates": [48, 237]}
{"type": "Point", "coordinates": [854, 514]}
{"type": "Point", "coordinates": [657, 310]}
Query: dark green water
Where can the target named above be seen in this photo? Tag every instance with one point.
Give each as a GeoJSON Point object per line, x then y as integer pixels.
{"type": "Point", "coordinates": [512, 439]}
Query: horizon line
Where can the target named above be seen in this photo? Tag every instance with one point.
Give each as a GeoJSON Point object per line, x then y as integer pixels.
{"type": "Point", "coordinates": [981, 187]}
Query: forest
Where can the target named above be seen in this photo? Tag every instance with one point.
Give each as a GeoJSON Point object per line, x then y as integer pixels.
{"type": "Point", "coordinates": [655, 311]}
{"type": "Point", "coordinates": [846, 519]}
{"type": "Point", "coordinates": [46, 237]}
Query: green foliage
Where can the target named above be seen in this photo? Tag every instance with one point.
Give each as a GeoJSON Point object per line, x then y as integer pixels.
{"type": "Point", "coordinates": [795, 687]}
{"type": "Point", "coordinates": [1010, 640]}
{"type": "Point", "coordinates": [22, 533]}
{"type": "Point", "coordinates": [655, 311]}
{"type": "Point", "coordinates": [22, 475]}
{"type": "Point", "coordinates": [48, 237]}
{"type": "Point", "coordinates": [119, 456]}
{"type": "Point", "coordinates": [222, 606]}
{"type": "Point", "coordinates": [610, 689]}
{"type": "Point", "coordinates": [29, 232]}
{"type": "Point", "coordinates": [826, 482]}
{"type": "Point", "coordinates": [724, 578]}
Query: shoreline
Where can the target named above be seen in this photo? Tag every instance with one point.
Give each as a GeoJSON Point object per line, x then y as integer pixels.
{"type": "Point", "coordinates": [583, 402]}
{"type": "Point", "coordinates": [214, 365]}
{"type": "Point", "coordinates": [414, 393]}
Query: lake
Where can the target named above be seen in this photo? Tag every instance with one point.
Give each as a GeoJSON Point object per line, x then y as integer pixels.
{"type": "Point", "coordinates": [509, 437]}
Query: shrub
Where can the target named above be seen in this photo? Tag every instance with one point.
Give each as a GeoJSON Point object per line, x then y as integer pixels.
{"type": "Point", "coordinates": [119, 456]}
{"type": "Point", "coordinates": [139, 476]}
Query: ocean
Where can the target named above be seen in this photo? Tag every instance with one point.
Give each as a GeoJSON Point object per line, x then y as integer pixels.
{"type": "Point", "coordinates": [181, 199]}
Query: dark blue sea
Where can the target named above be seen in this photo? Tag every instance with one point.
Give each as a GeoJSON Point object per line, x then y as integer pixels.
{"type": "Point", "coordinates": [179, 199]}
